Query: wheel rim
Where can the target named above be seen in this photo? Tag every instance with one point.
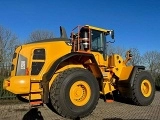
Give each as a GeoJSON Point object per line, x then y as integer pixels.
{"type": "Point", "coordinates": [146, 88]}
{"type": "Point", "coordinates": [80, 93]}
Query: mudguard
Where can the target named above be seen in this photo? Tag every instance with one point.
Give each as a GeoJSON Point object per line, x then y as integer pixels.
{"type": "Point", "coordinates": [76, 56]}
{"type": "Point", "coordinates": [124, 86]}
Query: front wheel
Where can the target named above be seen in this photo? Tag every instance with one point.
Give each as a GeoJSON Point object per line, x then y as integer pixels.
{"type": "Point", "coordinates": [143, 89]}
{"type": "Point", "coordinates": [74, 93]}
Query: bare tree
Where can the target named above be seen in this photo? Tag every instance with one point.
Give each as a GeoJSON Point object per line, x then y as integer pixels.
{"type": "Point", "coordinates": [151, 60]}
{"type": "Point", "coordinates": [136, 57]}
{"type": "Point", "coordinates": [116, 49]}
{"type": "Point", "coordinates": [0, 55]}
{"type": "Point", "coordinates": [8, 41]}
{"type": "Point", "coordinates": [40, 35]}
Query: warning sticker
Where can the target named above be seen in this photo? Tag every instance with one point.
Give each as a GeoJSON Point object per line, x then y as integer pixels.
{"type": "Point", "coordinates": [22, 64]}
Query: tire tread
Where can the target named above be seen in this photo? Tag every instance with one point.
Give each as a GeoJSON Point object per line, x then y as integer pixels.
{"type": "Point", "coordinates": [134, 90]}
{"type": "Point", "coordinates": [55, 90]}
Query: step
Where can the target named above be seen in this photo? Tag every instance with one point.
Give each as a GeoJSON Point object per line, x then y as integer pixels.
{"type": "Point", "coordinates": [36, 103]}
{"type": "Point", "coordinates": [36, 91]}
{"type": "Point", "coordinates": [35, 81]}
{"type": "Point", "coordinates": [109, 100]}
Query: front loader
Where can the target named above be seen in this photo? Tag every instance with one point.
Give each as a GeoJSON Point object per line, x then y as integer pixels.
{"type": "Point", "coordinates": [72, 74]}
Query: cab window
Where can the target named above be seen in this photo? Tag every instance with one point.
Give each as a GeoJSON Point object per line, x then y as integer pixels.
{"type": "Point", "coordinates": [97, 41]}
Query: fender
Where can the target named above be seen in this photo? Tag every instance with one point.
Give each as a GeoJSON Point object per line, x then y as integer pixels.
{"type": "Point", "coordinates": [133, 73]}
{"type": "Point", "coordinates": [76, 56]}
{"type": "Point", "coordinates": [125, 86]}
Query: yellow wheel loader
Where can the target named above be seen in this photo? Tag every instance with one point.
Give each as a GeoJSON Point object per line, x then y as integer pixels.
{"type": "Point", "coordinates": [72, 74]}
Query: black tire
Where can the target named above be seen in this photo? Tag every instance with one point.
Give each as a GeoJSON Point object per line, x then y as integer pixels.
{"type": "Point", "coordinates": [60, 93]}
{"type": "Point", "coordinates": [138, 96]}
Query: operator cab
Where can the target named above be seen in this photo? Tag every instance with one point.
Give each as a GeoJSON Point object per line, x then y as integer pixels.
{"type": "Point", "coordinates": [89, 38]}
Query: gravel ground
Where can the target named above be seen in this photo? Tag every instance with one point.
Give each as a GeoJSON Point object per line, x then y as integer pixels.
{"type": "Point", "coordinates": [15, 110]}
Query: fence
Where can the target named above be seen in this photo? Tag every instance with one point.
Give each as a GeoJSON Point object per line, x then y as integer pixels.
{"type": "Point", "coordinates": [4, 73]}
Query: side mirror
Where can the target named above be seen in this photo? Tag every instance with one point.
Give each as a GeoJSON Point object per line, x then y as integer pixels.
{"type": "Point", "coordinates": [112, 34]}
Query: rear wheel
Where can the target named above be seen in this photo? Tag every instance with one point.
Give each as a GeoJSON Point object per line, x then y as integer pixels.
{"type": "Point", "coordinates": [143, 89]}
{"type": "Point", "coordinates": [74, 93]}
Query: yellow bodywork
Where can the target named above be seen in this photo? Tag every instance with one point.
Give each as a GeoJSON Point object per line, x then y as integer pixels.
{"type": "Point", "coordinates": [54, 50]}
{"type": "Point", "coordinates": [97, 28]}
{"type": "Point", "coordinates": [17, 84]}
{"type": "Point", "coordinates": [21, 84]}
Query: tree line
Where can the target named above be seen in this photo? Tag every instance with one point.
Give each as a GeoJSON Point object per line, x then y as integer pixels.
{"type": "Point", "coordinates": [8, 41]}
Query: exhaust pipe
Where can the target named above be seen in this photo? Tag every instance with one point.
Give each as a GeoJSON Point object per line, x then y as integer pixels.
{"type": "Point", "coordinates": [63, 32]}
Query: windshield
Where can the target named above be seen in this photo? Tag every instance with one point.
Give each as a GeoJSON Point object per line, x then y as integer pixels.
{"type": "Point", "coordinates": [97, 41]}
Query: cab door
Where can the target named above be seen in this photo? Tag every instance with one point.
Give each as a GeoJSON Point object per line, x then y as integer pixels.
{"type": "Point", "coordinates": [98, 46]}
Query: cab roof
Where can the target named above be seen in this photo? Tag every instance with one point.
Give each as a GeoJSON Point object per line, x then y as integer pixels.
{"type": "Point", "coordinates": [97, 28]}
